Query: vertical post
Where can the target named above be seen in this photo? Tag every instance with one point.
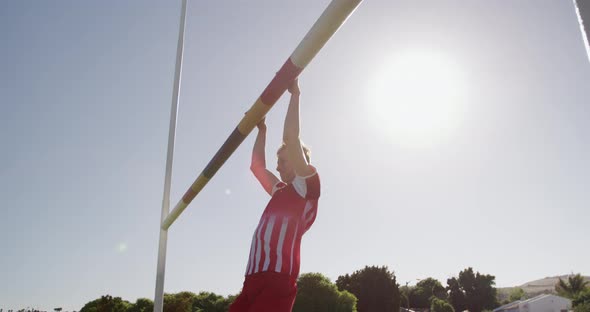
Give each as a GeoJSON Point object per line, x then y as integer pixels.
{"type": "Point", "coordinates": [159, 295]}
{"type": "Point", "coordinates": [583, 12]}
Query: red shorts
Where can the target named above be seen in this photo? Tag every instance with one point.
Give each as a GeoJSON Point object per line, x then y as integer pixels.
{"type": "Point", "coordinates": [266, 292]}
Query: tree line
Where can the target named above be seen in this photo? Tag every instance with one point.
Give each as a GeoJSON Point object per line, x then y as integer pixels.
{"type": "Point", "coordinates": [371, 289]}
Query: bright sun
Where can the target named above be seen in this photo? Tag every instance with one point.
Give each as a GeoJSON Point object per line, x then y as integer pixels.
{"type": "Point", "coordinates": [417, 98]}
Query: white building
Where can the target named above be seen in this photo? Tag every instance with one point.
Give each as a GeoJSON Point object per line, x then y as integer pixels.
{"type": "Point", "coordinates": [541, 303]}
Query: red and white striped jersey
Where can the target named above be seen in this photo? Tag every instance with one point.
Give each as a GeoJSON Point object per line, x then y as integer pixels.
{"type": "Point", "coordinates": [289, 214]}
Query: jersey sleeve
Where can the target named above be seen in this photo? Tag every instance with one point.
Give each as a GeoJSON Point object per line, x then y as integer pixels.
{"type": "Point", "coordinates": [310, 212]}
{"type": "Point", "coordinates": [308, 187]}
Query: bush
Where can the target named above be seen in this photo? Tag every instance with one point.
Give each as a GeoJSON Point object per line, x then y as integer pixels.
{"type": "Point", "coordinates": [439, 305]}
{"type": "Point", "coordinates": [316, 292]}
{"type": "Point", "coordinates": [107, 304]}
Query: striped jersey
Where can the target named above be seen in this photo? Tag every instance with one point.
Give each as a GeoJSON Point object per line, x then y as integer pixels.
{"type": "Point", "coordinates": [289, 214]}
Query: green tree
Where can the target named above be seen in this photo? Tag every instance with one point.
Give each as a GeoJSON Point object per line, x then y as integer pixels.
{"type": "Point", "coordinates": [230, 299]}
{"type": "Point", "coordinates": [142, 305]}
{"type": "Point", "coordinates": [343, 282]}
{"type": "Point", "coordinates": [210, 302]}
{"type": "Point", "coordinates": [107, 303]}
{"type": "Point", "coordinates": [375, 288]}
{"type": "Point", "coordinates": [516, 294]}
{"type": "Point", "coordinates": [404, 295]}
{"type": "Point", "coordinates": [472, 291]}
{"type": "Point", "coordinates": [89, 307]}
{"type": "Point", "coordinates": [440, 305]}
{"type": "Point", "coordinates": [422, 294]}
{"type": "Point", "coordinates": [456, 295]}
{"type": "Point", "coordinates": [574, 285]}
{"type": "Point", "coordinates": [179, 302]}
{"type": "Point", "coordinates": [581, 302]}
{"type": "Point", "coordinates": [315, 292]}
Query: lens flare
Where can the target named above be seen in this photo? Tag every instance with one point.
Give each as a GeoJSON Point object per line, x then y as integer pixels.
{"type": "Point", "coordinates": [122, 247]}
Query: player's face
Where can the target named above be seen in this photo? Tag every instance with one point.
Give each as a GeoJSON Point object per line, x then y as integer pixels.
{"type": "Point", "coordinates": [284, 166]}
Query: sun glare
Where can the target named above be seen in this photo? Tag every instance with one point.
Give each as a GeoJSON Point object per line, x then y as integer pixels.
{"type": "Point", "coordinates": [417, 98]}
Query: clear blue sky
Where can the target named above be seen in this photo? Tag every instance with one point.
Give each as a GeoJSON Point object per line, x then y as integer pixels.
{"type": "Point", "coordinates": [500, 184]}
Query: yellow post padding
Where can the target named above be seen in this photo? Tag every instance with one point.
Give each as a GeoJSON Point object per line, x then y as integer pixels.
{"type": "Point", "coordinates": [253, 116]}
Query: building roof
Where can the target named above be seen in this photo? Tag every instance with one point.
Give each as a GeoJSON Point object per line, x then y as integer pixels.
{"type": "Point", "coordinates": [508, 306]}
{"type": "Point", "coordinates": [515, 304]}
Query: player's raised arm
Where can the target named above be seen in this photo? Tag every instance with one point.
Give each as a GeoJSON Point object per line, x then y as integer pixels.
{"type": "Point", "coordinates": [258, 164]}
{"type": "Point", "coordinates": [291, 134]}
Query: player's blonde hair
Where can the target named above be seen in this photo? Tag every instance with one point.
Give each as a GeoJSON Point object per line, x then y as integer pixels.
{"type": "Point", "coordinates": [306, 151]}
